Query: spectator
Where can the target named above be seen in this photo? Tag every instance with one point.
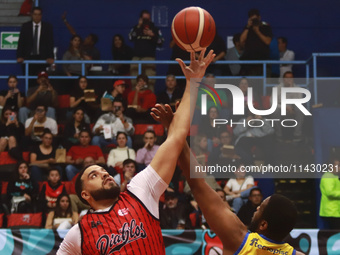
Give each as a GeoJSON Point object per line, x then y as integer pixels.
{"type": "Point", "coordinates": [50, 191]}
{"type": "Point", "coordinates": [62, 217]}
{"type": "Point", "coordinates": [117, 91]}
{"type": "Point", "coordinates": [147, 153]}
{"type": "Point", "coordinates": [44, 94]}
{"type": "Point", "coordinates": [238, 189]}
{"type": "Point", "coordinates": [11, 132]}
{"type": "Point", "coordinates": [292, 112]}
{"type": "Point", "coordinates": [129, 171]}
{"type": "Point", "coordinates": [114, 122]}
{"type": "Point", "coordinates": [39, 121]}
{"type": "Point", "coordinates": [235, 53]}
{"type": "Point", "coordinates": [42, 156]}
{"type": "Point", "coordinates": [256, 38]}
{"type": "Point", "coordinates": [174, 215]}
{"type": "Point", "coordinates": [120, 51]}
{"type": "Point", "coordinates": [285, 55]}
{"type": "Point", "coordinates": [141, 100]}
{"type": "Point", "coordinates": [146, 37]}
{"type": "Point", "coordinates": [20, 192]}
{"type": "Point", "coordinates": [200, 148]}
{"type": "Point", "coordinates": [73, 128]}
{"type": "Point", "coordinates": [11, 97]}
{"type": "Point", "coordinates": [330, 195]}
{"type": "Point", "coordinates": [74, 52]}
{"type": "Point", "coordinates": [171, 94]}
{"type": "Point", "coordinates": [76, 155]}
{"type": "Point", "coordinates": [36, 47]}
{"type": "Point", "coordinates": [121, 153]}
{"type": "Point", "coordinates": [78, 99]}
{"type": "Point", "coordinates": [88, 48]}
{"type": "Point", "coordinates": [220, 49]}
{"type": "Point", "coordinates": [249, 136]}
{"type": "Point", "coordinates": [211, 130]}
{"type": "Point", "coordinates": [247, 210]}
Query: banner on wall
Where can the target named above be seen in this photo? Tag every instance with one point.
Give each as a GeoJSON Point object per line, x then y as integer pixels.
{"type": "Point", "coordinates": [196, 242]}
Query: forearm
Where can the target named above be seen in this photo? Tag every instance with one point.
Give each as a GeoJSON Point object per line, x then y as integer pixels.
{"type": "Point", "coordinates": [135, 99]}
{"type": "Point", "coordinates": [244, 36]}
{"type": "Point", "coordinates": [29, 129]}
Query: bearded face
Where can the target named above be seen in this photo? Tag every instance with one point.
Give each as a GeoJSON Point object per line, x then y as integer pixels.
{"type": "Point", "coordinates": [106, 193]}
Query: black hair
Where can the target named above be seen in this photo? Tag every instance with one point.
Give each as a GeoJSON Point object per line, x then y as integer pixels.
{"type": "Point", "coordinates": [150, 131]}
{"type": "Point", "coordinates": [84, 129]}
{"type": "Point", "coordinates": [16, 174]}
{"type": "Point", "coordinates": [144, 77]}
{"type": "Point", "coordinates": [280, 214]}
{"type": "Point", "coordinates": [12, 76]}
{"type": "Point", "coordinates": [94, 38]}
{"type": "Point", "coordinates": [288, 72]}
{"type": "Point", "coordinates": [283, 39]}
{"type": "Point", "coordinates": [6, 108]}
{"type": "Point", "coordinates": [79, 184]}
{"type": "Point", "coordinates": [57, 211]}
{"type": "Point", "coordinates": [36, 8]}
{"type": "Point", "coordinates": [129, 161]}
{"type": "Point", "coordinates": [255, 189]}
{"type": "Point", "coordinates": [81, 77]}
{"type": "Point", "coordinates": [42, 105]}
{"type": "Point", "coordinates": [236, 38]}
{"type": "Point", "coordinates": [119, 133]}
{"type": "Point", "coordinates": [253, 12]}
{"type": "Point", "coordinates": [70, 47]}
{"type": "Point", "coordinates": [53, 169]}
{"type": "Point", "coordinates": [144, 11]}
{"type": "Point", "coordinates": [46, 131]}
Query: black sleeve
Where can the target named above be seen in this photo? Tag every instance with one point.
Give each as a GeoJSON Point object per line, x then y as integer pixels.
{"type": "Point", "coordinates": [22, 41]}
{"type": "Point", "coordinates": [266, 30]}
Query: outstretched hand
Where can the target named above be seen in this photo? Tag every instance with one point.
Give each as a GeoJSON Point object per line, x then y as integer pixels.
{"type": "Point", "coordinates": [162, 114]}
{"type": "Point", "coordinates": [197, 67]}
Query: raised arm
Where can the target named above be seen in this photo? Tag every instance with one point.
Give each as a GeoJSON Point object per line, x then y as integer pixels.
{"type": "Point", "coordinates": [164, 162]}
{"type": "Point", "coordinates": [226, 224]}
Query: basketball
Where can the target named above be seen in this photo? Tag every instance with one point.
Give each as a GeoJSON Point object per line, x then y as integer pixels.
{"type": "Point", "coordinates": [193, 29]}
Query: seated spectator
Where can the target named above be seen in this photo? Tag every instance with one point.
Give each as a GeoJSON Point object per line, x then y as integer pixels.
{"type": "Point", "coordinates": [119, 154]}
{"type": "Point", "coordinates": [42, 156]}
{"type": "Point", "coordinates": [11, 132]}
{"type": "Point", "coordinates": [78, 99]}
{"type": "Point", "coordinates": [120, 51]}
{"type": "Point", "coordinates": [211, 130]}
{"type": "Point", "coordinates": [74, 52]}
{"type": "Point", "coordinates": [285, 55]}
{"type": "Point", "coordinates": [76, 155]}
{"type": "Point", "coordinates": [113, 122]}
{"type": "Point", "coordinates": [38, 122]}
{"type": "Point", "coordinates": [292, 111]}
{"type": "Point", "coordinates": [223, 153]}
{"type": "Point", "coordinates": [117, 91]}
{"type": "Point", "coordinates": [141, 100]}
{"type": "Point", "coordinates": [44, 94]}
{"type": "Point", "coordinates": [129, 171]}
{"type": "Point", "coordinates": [238, 189]}
{"type": "Point", "coordinates": [174, 215]}
{"type": "Point", "coordinates": [20, 192]}
{"type": "Point", "coordinates": [172, 93]}
{"type": "Point", "coordinates": [73, 128]}
{"type": "Point", "coordinates": [146, 154]}
{"type": "Point", "coordinates": [50, 191]}
{"type": "Point", "coordinates": [247, 210]}
{"type": "Point", "coordinates": [200, 149]}
{"type": "Point", "coordinates": [249, 136]}
{"type": "Point", "coordinates": [11, 97]}
{"type": "Point", "coordinates": [235, 53]}
{"type": "Point", "coordinates": [62, 217]}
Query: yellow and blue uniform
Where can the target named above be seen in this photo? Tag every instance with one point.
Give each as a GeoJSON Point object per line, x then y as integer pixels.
{"type": "Point", "coordinates": [254, 243]}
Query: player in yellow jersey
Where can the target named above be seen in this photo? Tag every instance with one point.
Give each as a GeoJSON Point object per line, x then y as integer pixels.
{"type": "Point", "coordinates": [271, 223]}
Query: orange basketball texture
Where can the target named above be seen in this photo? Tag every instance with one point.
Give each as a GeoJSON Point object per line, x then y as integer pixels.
{"type": "Point", "coordinates": [193, 29]}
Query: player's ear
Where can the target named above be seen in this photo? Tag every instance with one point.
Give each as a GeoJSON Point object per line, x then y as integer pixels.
{"type": "Point", "coordinates": [85, 195]}
{"type": "Point", "coordinates": [263, 225]}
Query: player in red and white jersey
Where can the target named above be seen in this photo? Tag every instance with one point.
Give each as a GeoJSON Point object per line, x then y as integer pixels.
{"type": "Point", "coordinates": [127, 223]}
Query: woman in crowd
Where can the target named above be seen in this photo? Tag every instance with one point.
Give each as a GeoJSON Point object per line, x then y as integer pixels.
{"type": "Point", "coordinates": [73, 128]}
{"type": "Point", "coordinates": [120, 51]}
{"type": "Point", "coordinates": [119, 154]}
{"type": "Point", "coordinates": [62, 217]}
{"type": "Point", "coordinates": [74, 52]}
{"type": "Point", "coordinates": [11, 97]}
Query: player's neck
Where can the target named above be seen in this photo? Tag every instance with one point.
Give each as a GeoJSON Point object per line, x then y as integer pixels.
{"type": "Point", "coordinates": [103, 204]}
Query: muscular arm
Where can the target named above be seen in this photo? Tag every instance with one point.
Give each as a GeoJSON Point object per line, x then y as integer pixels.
{"type": "Point", "coordinates": [164, 162]}
{"type": "Point", "coordinates": [222, 221]}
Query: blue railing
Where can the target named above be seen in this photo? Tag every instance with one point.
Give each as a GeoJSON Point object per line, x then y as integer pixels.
{"type": "Point", "coordinates": [83, 63]}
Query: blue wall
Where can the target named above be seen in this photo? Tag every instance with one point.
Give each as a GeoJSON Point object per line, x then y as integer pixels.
{"type": "Point", "coordinates": [310, 26]}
